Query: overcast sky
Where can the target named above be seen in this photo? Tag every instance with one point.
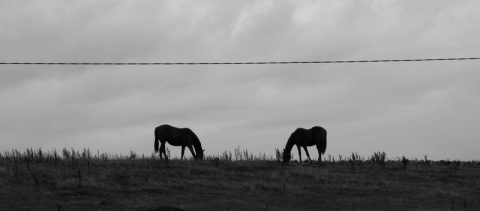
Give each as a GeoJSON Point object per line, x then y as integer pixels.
{"type": "Point", "coordinates": [408, 108]}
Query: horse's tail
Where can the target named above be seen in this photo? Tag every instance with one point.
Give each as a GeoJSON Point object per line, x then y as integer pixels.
{"type": "Point", "coordinates": [320, 136]}
{"type": "Point", "coordinates": [162, 133]}
{"type": "Point", "coordinates": [323, 141]}
{"type": "Point", "coordinates": [156, 141]}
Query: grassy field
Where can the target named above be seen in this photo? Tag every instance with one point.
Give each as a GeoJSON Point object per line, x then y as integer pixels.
{"type": "Point", "coordinates": [72, 180]}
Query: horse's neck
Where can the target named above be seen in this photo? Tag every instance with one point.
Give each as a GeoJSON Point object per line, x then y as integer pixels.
{"type": "Point", "coordinates": [289, 146]}
{"type": "Point", "coordinates": [197, 145]}
{"type": "Point", "coordinates": [195, 141]}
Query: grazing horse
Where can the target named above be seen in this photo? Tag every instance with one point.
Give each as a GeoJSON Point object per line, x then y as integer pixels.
{"type": "Point", "coordinates": [178, 137]}
{"type": "Point", "coordinates": [304, 138]}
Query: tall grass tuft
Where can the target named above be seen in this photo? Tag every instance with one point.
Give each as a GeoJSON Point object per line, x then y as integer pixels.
{"type": "Point", "coordinates": [353, 161]}
{"type": "Point", "coordinates": [238, 154]}
{"type": "Point", "coordinates": [405, 162]}
{"type": "Point", "coordinates": [380, 158]}
{"type": "Point", "coordinates": [427, 162]}
{"type": "Point", "coordinates": [86, 154]}
{"type": "Point", "coordinates": [278, 155]}
{"type": "Point", "coordinates": [40, 155]}
{"type": "Point", "coordinates": [66, 154]}
{"type": "Point", "coordinates": [132, 156]}
{"type": "Point", "coordinates": [227, 156]}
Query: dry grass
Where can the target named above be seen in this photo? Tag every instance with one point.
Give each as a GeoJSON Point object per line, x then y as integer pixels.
{"type": "Point", "coordinates": [89, 181]}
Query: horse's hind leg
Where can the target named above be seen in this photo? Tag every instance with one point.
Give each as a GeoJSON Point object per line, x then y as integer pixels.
{"type": "Point", "coordinates": [319, 154]}
{"type": "Point", "coordinates": [308, 155]}
{"type": "Point", "coordinates": [162, 150]}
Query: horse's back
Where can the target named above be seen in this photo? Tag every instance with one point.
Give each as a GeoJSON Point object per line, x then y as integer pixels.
{"type": "Point", "coordinates": [178, 132]}
{"type": "Point", "coordinates": [181, 136]}
{"type": "Point", "coordinates": [162, 131]}
{"type": "Point", "coordinates": [317, 130]}
{"type": "Point", "coordinates": [310, 137]}
{"type": "Point", "coordinates": [302, 137]}
{"type": "Point", "coordinates": [167, 132]}
{"type": "Point", "coordinates": [301, 133]}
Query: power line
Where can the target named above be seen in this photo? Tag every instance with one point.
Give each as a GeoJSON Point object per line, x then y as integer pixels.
{"type": "Point", "coordinates": [237, 63]}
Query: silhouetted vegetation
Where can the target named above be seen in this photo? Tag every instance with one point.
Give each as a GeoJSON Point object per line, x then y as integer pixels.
{"type": "Point", "coordinates": [46, 180]}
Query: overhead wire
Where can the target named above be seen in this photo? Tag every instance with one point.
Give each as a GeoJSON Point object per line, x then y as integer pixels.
{"type": "Point", "coordinates": [242, 63]}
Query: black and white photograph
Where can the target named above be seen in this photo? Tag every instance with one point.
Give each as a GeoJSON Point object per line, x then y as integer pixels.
{"type": "Point", "coordinates": [239, 105]}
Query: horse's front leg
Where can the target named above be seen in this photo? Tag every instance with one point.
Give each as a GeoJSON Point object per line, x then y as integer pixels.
{"type": "Point", "coordinates": [193, 153]}
{"type": "Point", "coordinates": [299, 154]}
{"type": "Point", "coordinates": [308, 155]}
{"type": "Point", "coordinates": [183, 151]}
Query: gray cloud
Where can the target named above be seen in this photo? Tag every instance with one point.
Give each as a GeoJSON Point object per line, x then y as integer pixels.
{"type": "Point", "coordinates": [412, 108]}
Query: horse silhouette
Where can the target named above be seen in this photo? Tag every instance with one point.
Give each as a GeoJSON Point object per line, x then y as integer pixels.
{"type": "Point", "coordinates": [304, 138]}
{"type": "Point", "coordinates": [183, 137]}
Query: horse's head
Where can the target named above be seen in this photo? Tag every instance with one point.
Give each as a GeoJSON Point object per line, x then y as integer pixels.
{"type": "Point", "coordinates": [199, 155]}
{"type": "Point", "coordinates": [286, 157]}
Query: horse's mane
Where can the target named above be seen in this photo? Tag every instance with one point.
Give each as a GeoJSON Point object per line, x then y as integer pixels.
{"type": "Point", "coordinates": [196, 143]}
{"type": "Point", "coordinates": [290, 143]}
